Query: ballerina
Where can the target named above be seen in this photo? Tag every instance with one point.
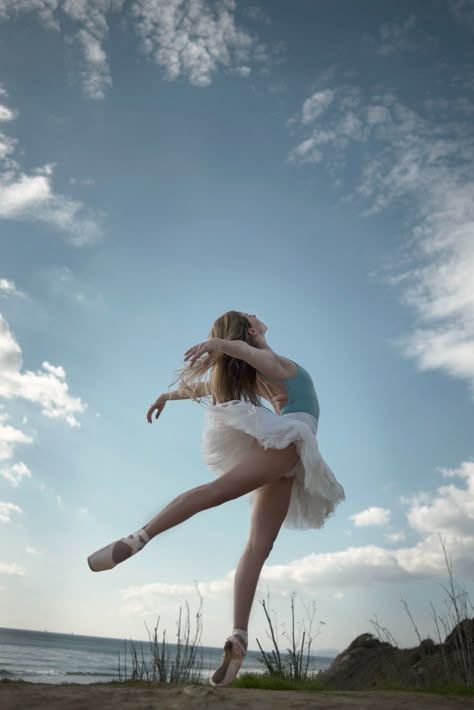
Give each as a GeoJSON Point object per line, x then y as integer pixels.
{"type": "Point", "coordinates": [271, 455]}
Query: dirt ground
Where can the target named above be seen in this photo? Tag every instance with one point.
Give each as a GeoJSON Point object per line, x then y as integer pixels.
{"type": "Point", "coordinates": [106, 696]}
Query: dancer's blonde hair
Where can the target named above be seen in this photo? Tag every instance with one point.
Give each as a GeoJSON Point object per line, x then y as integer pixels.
{"type": "Point", "coordinates": [230, 378]}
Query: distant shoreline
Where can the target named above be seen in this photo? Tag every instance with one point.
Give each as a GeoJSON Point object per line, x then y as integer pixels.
{"type": "Point", "coordinates": [329, 653]}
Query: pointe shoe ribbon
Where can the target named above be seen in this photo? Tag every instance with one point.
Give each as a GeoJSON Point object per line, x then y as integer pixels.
{"type": "Point", "coordinates": [111, 555]}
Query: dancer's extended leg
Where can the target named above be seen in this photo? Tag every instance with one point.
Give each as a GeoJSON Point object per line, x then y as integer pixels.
{"type": "Point", "coordinates": [256, 468]}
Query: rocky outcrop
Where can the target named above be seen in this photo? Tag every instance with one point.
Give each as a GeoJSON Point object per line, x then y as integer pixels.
{"type": "Point", "coordinates": [370, 663]}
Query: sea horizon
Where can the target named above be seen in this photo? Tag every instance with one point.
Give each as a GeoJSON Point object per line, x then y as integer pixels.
{"type": "Point", "coordinates": [58, 657]}
{"type": "Point", "coordinates": [323, 652]}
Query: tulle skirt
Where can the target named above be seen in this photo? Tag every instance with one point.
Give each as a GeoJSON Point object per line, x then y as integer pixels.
{"type": "Point", "coordinates": [231, 427]}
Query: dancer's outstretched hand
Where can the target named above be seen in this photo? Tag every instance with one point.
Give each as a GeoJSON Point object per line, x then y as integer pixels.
{"type": "Point", "coordinates": [158, 406]}
{"type": "Point", "coordinates": [208, 346]}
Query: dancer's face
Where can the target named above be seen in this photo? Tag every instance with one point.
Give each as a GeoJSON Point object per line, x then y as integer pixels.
{"type": "Point", "coordinates": [255, 323]}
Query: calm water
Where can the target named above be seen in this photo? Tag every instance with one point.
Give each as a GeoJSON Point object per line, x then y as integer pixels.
{"type": "Point", "coordinates": [43, 657]}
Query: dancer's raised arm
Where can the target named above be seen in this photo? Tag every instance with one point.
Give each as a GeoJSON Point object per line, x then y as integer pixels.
{"type": "Point", "coordinates": [201, 389]}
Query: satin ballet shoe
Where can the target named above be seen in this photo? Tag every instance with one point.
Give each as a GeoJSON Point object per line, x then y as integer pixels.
{"type": "Point", "coordinates": [110, 556]}
{"type": "Point", "coordinates": [235, 651]}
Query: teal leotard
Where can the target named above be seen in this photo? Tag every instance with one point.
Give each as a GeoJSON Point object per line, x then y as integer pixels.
{"type": "Point", "coordinates": [302, 396]}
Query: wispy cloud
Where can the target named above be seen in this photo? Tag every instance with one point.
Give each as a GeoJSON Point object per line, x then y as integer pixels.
{"type": "Point", "coordinates": [31, 197]}
{"type": "Point", "coordinates": [11, 570]}
{"type": "Point", "coordinates": [316, 105]}
{"type": "Point", "coordinates": [414, 160]}
{"type": "Point", "coordinates": [8, 288]}
{"type": "Point", "coordinates": [403, 35]}
{"type": "Point", "coordinates": [6, 510]}
{"type": "Point", "coordinates": [255, 13]}
{"type": "Point", "coordinates": [193, 39]}
{"type": "Point", "coordinates": [10, 437]}
{"type": "Point", "coordinates": [15, 473]}
{"type": "Point", "coordinates": [65, 284]}
{"type": "Point", "coordinates": [46, 387]}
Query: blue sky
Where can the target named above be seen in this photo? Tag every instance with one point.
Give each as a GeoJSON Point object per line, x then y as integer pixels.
{"type": "Point", "coordinates": [163, 162]}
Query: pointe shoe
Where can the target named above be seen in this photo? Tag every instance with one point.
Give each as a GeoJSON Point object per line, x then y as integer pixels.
{"type": "Point", "coordinates": [110, 556]}
{"type": "Point", "coordinates": [235, 651]}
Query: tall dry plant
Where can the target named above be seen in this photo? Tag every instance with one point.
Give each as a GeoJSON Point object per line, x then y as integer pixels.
{"type": "Point", "coordinates": [167, 662]}
{"type": "Point", "coordinates": [295, 662]}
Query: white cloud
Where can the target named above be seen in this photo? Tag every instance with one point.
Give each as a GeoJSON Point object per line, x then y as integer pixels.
{"type": "Point", "coordinates": [395, 536]}
{"type": "Point", "coordinates": [31, 198]}
{"type": "Point", "coordinates": [46, 387]}
{"type": "Point", "coordinates": [353, 567]}
{"type": "Point", "coordinates": [44, 8]}
{"type": "Point", "coordinates": [32, 550]}
{"type": "Point", "coordinates": [377, 114]}
{"type": "Point", "coordinates": [15, 473]}
{"type": "Point", "coordinates": [189, 38]}
{"type": "Point", "coordinates": [316, 105]}
{"type": "Point", "coordinates": [195, 38]}
{"type": "Point", "coordinates": [6, 114]}
{"type": "Point", "coordinates": [371, 516]}
{"type": "Point", "coordinates": [6, 509]}
{"type": "Point", "coordinates": [58, 371]}
{"type": "Point", "coordinates": [450, 510]}
{"type": "Point", "coordinates": [11, 570]}
{"type": "Point", "coordinates": [60, 503]}
{"type": "Point", "coordinates": [338, 595]}
{"type": "Point", "coordinates": [9, 438]}
{"type": "Point", "coordinates": [143, 599]}
{"type": "Point", "coordinates": [424, 161]}
{"type": "Point", "coordinates": [8, 288]}
{"type": "Point", "coordinates": [83, 511]}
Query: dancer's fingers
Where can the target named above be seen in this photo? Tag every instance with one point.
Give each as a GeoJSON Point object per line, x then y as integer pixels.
{"type": "Point", "coordinates": [149, 414]}
{"type": "Point", "coordinates": [189, 352]}
{"type": "Point", "coordinates": [194, 352]}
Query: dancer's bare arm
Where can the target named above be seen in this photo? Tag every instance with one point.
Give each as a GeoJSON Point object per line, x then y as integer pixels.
{"type": "Point", "coordinates": [265, 361]}
{"type": "Point", "coordinates": [201, 389]}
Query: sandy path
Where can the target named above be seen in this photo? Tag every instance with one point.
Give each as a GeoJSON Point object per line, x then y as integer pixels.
{"type": "Point", "coordinates": [106, 696]}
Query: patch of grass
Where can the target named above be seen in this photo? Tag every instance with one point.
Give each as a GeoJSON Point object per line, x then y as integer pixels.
{"type": "Point", "coordinates": [264, 681]}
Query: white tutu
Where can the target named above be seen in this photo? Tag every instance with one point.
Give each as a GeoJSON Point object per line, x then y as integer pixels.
{"type": "Point", "coordinates": [231, 427]}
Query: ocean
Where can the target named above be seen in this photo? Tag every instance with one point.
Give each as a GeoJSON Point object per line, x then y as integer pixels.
{"type": "Point", "coordinates": [44, 657]}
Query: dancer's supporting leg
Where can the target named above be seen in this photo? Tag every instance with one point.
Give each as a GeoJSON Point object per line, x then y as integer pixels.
{"type": "Point", "coordinates": [269, 510]}
{"type": "Point", "coordinates": [257, 467]}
